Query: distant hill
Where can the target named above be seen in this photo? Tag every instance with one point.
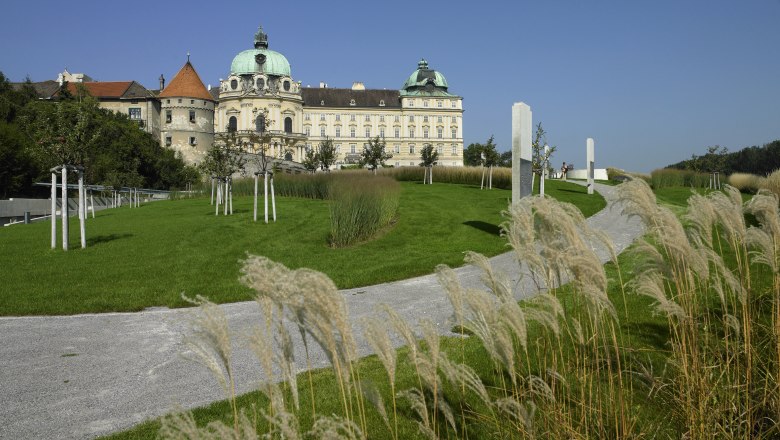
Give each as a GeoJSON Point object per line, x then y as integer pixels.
{"type": "Point", "coordinates": [754, 160]}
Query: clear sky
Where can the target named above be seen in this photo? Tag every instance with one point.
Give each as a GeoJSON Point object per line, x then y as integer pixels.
{"type": "Point", "coordinates": [651, 81]}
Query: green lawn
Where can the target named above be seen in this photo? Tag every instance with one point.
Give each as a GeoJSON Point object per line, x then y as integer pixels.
{"type": "Point", "coordinates": [138, 258]}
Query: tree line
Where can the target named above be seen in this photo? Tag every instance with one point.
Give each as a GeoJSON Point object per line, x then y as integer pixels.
{"type": "Point", "coordinates": [753, 160]}
{"type": "Point", "coordinates": [36, 135]}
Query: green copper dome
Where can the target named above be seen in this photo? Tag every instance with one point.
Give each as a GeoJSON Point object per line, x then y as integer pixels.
{"type": "Point", "coordinates": [425, 81]}
{"type": "Point", "coordinates": [261, 59]}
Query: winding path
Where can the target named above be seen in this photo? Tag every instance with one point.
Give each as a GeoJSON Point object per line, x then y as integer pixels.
{"type": "Point", "coordinates": [83, 376]}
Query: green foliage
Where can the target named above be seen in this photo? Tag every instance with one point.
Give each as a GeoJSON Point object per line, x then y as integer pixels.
{"type": "Point", "coordinates": [429, 156]}
{"type": "Point", "coordinates": [477, 154]}
{"type": "Point", "coordinates": [225, 157]}
{"type": "Point", "coordinates": [667, 177]}
{"type": "Point", "coordinates": [374, 155]}
{"type": "Point", "coordinates": [753, 160]}
{"type": "Point", "coordinates": [310, 161]}
{"type": "Point", "coordinates": [326, 153]}
{"type": "Point", "coordinates": [505, 160]}
{"type": "Point", "coordinates": [538, 156]}
{"type": "Point", "coordinates": [361, 207]}
{"type": "Point", "coordinates": [38, 135]}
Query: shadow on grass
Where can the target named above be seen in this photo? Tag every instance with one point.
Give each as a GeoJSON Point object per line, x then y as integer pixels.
{"type": "Point", "coordinates": [490, 228]}
{"type": "Point", "coordinates": [91, 241]}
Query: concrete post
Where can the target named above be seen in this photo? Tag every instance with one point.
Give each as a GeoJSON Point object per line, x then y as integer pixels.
{"type": "Point", "coordinates": [64, 209]}
{"type": "Point", "coordinates": [590, 162]}
{"type": "Point", "coordinates": [521, 151]}
{"type": "Point", "coordinates": [53, 210]}
{"type": "Point", "coordinates": [255, 208]}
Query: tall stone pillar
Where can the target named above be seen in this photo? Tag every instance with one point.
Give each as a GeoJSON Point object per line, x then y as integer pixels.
{"type": "Point", "coordinates": [590, 162]}
{"type": "Point", "coordinates": [521, 151]}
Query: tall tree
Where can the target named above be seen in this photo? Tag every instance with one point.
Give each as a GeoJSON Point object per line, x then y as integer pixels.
{"type": "Point", "coordinates": [429, 158]}
{"type": "Point", "coordinates": [374, 154]}
{"type": "Point", "coordinates": [490, 158]}
{"type": "Point", "coordinates": [472, 155]}
{"type": "Point", "coordinates": [310, 160]}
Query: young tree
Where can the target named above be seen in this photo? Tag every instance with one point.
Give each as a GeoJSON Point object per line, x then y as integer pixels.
{"type": "Point", "coordinates": [225, 158]}
{"type": "Point", "coordinates": [261, 145]}
{"type": "Point", "coordinates": [326, 153]}
{"type": "Point", "coordinates": [472, 155]}
{"type": "Point", "coordinates": [540, 156]}
{"type": "Point", "coordinates": [374, 154]}
{"type": "Point", "coordinates": [311, 161]}
{"type": "Point", "coordinates": [490, 158]}
{"type": "Point", "coordinates": [429, 158]}
{"type": "Point", "coordinates": [505, 160]}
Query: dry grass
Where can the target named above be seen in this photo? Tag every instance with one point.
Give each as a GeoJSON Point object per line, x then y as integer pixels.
{"type": "Point", "coordinates": [746, 182]}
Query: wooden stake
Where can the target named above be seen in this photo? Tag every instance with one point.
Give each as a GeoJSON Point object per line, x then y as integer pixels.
{"type": "Point", "coordinates": [53, 210]}
{"type": "Point", "coordinates": [64, 209]}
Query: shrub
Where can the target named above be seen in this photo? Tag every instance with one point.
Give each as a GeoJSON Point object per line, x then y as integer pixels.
{"type": "Point", "coordinates": [667, 177]}
{"type": "Point", "coordinates": [360, 207]}
{"type": "Point", "coordinates": [746, 182]}
{"type": "Point", "coordinates": [502, 177]}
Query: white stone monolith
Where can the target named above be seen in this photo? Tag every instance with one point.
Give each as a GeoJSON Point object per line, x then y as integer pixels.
{"type": "Point", "coordinates": [590, 162]}
{"type": "Point", "coordinates": [521, 151]}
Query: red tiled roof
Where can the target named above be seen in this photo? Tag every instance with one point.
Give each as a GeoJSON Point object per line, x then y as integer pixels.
{"type": "Point", "coordinates": [102, 89]}
{"type": "Point", "coordinates": [186, 83]}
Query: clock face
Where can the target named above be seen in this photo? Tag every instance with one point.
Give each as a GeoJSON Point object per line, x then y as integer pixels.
{"type": "Point", "coordinates": [260, 58]}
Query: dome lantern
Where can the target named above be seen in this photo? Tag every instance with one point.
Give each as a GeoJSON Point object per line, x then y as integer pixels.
{"type": "Point", "coordinates": [261, 39]}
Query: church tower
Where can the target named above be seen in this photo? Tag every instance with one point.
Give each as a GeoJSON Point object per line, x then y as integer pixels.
{"type": "Point", "coordinates": [187, 113]}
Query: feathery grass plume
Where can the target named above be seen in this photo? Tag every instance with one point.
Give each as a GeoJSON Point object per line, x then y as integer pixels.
{"type": "Point", "coordinates": [376, 334]}
{"type": "Point", "coordinates": [462, 374]}
{"type": "Point", "coordinates": [772, 182]}
{"type": "Point", "coordinates": [335, 428]}
{"type": "Point", "coordinates": [372, 394]}
{"type": "Point", "coordinates": [417, 402]}
{"type": "Point", "coordinates": [209, 344]}
{"type": "Point", "coordinates": [521, 413]}
{"type": "Point", "coordinates": [728, 209]}
{"type": "Point", "coordinates": [652, 285]}
{"type": "Point", "coordinates": [702, 217]}
{"type": "Point", "coordinates": [182, 426]}
{"type": "Point", "coordinates": [448, 279]}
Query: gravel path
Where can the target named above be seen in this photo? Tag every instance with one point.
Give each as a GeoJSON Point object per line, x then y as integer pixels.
{"type": "Point", "coordinates": [83, 376]}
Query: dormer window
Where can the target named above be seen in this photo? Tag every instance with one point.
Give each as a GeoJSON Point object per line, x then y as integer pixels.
{"type": "Point", "coordinates": [381, 102]}
{"type": "Point", "coordinates": [322, 102]}
{"type": "Point", "coordinates": [352, 102]}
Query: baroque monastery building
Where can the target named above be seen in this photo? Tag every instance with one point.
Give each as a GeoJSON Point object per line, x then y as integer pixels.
{"type": "Point", "coordinates": [260, 96]}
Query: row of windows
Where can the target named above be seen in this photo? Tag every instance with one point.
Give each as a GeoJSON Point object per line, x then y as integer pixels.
{"type": "Point", "coordinates": [260, 84]}
{"type": "Point", "coordinates": [192, 101]}
{"type": "Point", "coordinates": [439, 103]}
{"type": "Point", "coordinates": [260, 124]}
{"type": "Point", "coordinates": [396, 118]}
{"type": "Point", "coordinates": [169, 141]}
{"type": "Point", "coordinates": [396, 148]}
{"type": "Point", "coordinates": [169, 116]}
{"type": "Point", "coordinates": [396, 132]}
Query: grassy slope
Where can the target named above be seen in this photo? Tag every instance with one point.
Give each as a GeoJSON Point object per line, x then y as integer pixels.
{"type": "Point", "coordinates": [137, 258]}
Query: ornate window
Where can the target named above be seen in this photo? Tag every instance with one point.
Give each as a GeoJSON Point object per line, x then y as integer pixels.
{"type": "Point", "coordinates": [260, 83]}
{"type": "Point", "coordinates": [338, 131]}
{"type": "Point", "coordinates": [233, 84]}
{"type": "Point", "coordinates": [288, 125]}
{"type": "Point", "coordinates": [260, 124]}
{"type": "Point", "coordinates": [397, 132]}
{"type": "Point", "coordinates": [232, 124]}
{"type": "Point", "coordinates": [425, 133]}
{"type": "Point", "coordinates": [286, 86]}
{"type": "Point", "coordinates": [454, 133]}
{"type": "Point", "coordinates": [439, 132]}
{"type": "Point", "coordinates": [411, 132]}
{"type": "Point", "coordinates": [351, 132]}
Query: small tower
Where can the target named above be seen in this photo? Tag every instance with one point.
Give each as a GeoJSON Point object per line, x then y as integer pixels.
{"type": "Point", "coordinates": [187, 113]}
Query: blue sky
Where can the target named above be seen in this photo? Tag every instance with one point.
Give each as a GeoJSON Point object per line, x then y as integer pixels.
{"type": "Point", "coordinates": [651, 82]}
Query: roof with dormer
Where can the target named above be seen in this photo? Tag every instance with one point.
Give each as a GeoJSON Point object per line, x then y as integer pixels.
{"type": "Point", "coordinates": [328, 97]}
{"type": "Point", "coordinates": [425, 82]}
{"type": "Point", "coordinates": [186, 84]}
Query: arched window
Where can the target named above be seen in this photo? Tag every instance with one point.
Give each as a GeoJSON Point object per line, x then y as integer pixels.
{"type": "Point", "coordinates": [288, 125]}
{"type": "Point", "coordinates": [232, 124]}
{"type": "Point", "coordinates": [260, 83]}
{"type": "Point", "coordinates": [233, 84]}
{"type": "Point", "coordinates": [286, 86]}
{"type": "Point", "coordinates": [288, 156]}
{"type": "Point", "coordinates": [260, 124]}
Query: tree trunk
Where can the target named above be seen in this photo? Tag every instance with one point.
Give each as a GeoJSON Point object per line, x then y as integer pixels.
{"type": "Point", "coordinates": [53, 210]}
{"type": "Point", "coordinates": [482, 182]}
{"type": "Point", "coordinates": [64, 209]}
{"type": "Point", "coordinates": [225, 197]}
{"type": "Point", "coordinates": [430, 175]}
{"type": "Point", "coordinates": [541, 184]}
{"type": "Point", "coordinates": [219, 193]}
{"type": "Point", "coordinates": [230, 187]}
{"type": "Point", "coordinates": [92, 204]}
{"type": "Point", "coordinates": [490, 178]}
{"type": "Point", "coordinates": [212, 190]}
{"type": "Point", "coordinates": [82, 211]}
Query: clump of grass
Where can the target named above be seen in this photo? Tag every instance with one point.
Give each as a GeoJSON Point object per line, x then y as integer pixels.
{"type": "Point", "coordinates": [772, 182]}
{"type": "Point", "coordinates": [747, 182]}
{"type": "Point", "coordinates": [668, 177]}
{"type": "Point", "coordinates": [360, 207]}
{"type": "Point", "coordinates": [502, 177]}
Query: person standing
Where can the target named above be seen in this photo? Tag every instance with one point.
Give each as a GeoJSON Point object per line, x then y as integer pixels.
{"type": "Point", "coordinates": [564, 169]}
